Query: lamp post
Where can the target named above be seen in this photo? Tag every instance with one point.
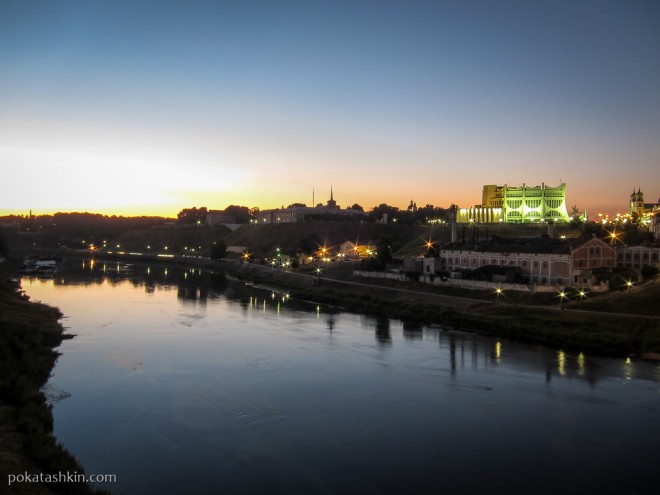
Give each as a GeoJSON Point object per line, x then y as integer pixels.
{"type": "Point", "coordinates": [562, 296]}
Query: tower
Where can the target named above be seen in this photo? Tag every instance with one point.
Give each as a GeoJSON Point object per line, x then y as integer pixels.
{"type": "Point", "coordinates": [637, 202]}
{"type": "Point", "coordinates": [331, 202]}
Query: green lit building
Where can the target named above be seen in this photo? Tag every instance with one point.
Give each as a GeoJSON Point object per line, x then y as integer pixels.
{"type": "Point", "coordinates": [521, 204]}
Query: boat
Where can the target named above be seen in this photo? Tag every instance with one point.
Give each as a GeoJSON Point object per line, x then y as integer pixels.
{"type": "Point", "coordinates": [45, 267]}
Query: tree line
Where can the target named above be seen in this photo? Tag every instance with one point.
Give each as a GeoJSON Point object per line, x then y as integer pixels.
{"type": "Point", "coordinates": [243, 214]}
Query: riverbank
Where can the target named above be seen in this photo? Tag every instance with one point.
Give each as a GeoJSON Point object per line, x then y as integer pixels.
{"type": "Point", "coordinates": [29, 334]}
{"type": "Point", "coordinates": [582, 327]}
{"type": "Point", "coordinates": [550, 325]}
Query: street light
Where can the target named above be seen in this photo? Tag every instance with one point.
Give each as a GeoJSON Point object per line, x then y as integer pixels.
{"type": "Point", "coordinates": [562, 296]}
{"type": "Point", "coordinates": [613, 237]}
{"type": "Point", "coordinates": [498, 291]}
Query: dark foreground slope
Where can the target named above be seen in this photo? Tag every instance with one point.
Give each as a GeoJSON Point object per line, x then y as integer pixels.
{"type": "Point", "coordinates": [29, 333]}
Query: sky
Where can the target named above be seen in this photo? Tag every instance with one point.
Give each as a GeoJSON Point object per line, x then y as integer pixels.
{"type": "Point", "coordinates": [147, 107]}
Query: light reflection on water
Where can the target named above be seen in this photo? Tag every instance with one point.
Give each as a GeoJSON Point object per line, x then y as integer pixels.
{"type": "Point", "coordinates": [185, 381]}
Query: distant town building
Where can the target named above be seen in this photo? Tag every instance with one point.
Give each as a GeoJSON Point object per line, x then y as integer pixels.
{"type": "Point", "coordinates": [544, 261]}
{"type": "Point", "coordinates": [639, 208]}
{"type": "Point", "coordinates": [219, 217]}
{"type": "Point", "coordinates": [518, 205]}
{"type": "Point", "coordinates": [353, 251]}
{"type": "Point", "coordinates": [637, 257]}
{"type": "Point", "coordinates": [307, 213]}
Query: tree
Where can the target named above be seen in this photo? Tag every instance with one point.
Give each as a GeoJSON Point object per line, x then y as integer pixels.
{"type": "Point", "coordinates": [384, 250]}
{"type": "Point", "coordinates": [241, 213]}
{"type": "Point", "coordinates": [590, 229]}
{"type": "Point", "coordinates": [310, 244]}
{"type": "Point", "coordinates": [218, 250]}
{"type": "Point", "coordinates": [383, 209]}
{"type": "Point", "coordinates": [357, 207]}
{"type": "Point", "coordinates": [297, 205]}
{"type": "Point", "coordinates": [3, 243]}
{"type": "Point", "coordinates": [192, 215]}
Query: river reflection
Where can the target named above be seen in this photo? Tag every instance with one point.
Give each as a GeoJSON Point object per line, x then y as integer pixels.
{"type": "Point", "coordinates": [180, 380]}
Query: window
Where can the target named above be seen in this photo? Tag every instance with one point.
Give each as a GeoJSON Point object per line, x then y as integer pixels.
{"type": "Point", "coordinates": [545, 264]}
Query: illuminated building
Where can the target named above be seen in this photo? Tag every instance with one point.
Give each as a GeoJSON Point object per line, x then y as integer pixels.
{"type": "Point", "coordinates": [354, 251]}
{"type": "Point", "coordinates": [518, 205]}
{"type": "Point", "coordinates": [639, 208]}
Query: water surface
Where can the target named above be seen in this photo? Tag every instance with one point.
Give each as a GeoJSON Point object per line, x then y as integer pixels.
{"type": "Point", "coordinates": [182, 381]}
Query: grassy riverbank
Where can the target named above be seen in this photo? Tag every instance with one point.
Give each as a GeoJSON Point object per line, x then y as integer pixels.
{"type": "Point", "coordinates": [569, 329]}
{"type": "Point", "coordinates": [29, 333]}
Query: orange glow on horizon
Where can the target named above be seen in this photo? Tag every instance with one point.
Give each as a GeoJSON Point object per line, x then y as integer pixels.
{"type": "Point", "coordinates": [346, 195]}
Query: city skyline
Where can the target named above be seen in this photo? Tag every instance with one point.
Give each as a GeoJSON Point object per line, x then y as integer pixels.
{"type": "Point", "coordinates": [147, 108]}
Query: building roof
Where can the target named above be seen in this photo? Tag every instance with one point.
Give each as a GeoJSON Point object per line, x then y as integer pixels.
{"type": "Point", "coordinates": [544, 245]}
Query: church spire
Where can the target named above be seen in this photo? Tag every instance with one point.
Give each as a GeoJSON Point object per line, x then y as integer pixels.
{"type": "Point", "coordinates": [331, 202]}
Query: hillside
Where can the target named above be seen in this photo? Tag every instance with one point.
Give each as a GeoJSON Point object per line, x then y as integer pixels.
{"type": "Point", "coordinates": [642, 299]}
{"type": "Point", "coordinates": [175, 239]}
{"type": "Point", "coordinates": [262, 240]}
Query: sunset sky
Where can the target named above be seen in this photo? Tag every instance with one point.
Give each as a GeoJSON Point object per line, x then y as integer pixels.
{"type": "Point", "coordinates": [147, 107]}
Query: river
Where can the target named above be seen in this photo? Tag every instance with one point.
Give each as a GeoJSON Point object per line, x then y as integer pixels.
{"type": "Point", "coordinates": [184, 381]}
